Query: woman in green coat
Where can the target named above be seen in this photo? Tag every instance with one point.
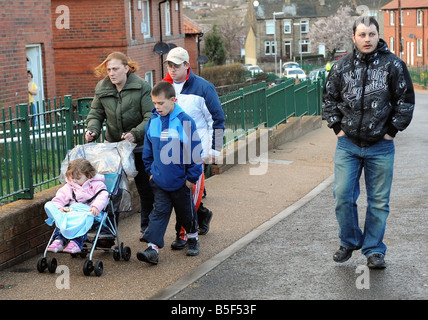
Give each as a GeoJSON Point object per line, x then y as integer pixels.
{"type": "Point", "coordinates": [123, 99]}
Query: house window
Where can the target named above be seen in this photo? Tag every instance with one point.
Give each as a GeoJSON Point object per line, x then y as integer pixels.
{"type": "Point", "coordinates": [419, 17]}
{"type": "Point", "coordinates": [391, 18]}
{"type": "Point", "coordinates": [287, 26]}
{"type": "Point", "coordinates": [270, 48]}
{"type": "Point", "coordinates": [131, 19]}
{"type": "Point", "coordinates": [419, 47]}
{"type": "Point", "coordinates": [304, 26]}
{"type": "Point", "coordinates": [304, 45]}
{"type": "Point", "coordinates": [148, 76]}
{"type": "Point", "coordinates": [167, 18]}
{"type": "Point", "coordinates": [145, 24]}
{"type": "Point", "coordinates": [270, 27]}
{"type": "Point", "coordinates": [392, 44]}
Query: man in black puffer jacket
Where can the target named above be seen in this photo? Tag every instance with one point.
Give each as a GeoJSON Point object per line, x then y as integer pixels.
{"type": "Point", "coordinates": [368, 98]}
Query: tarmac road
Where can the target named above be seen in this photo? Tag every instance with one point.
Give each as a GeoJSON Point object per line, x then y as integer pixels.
{"type": "Point", "coordinates": [293, 259]}
{"type": "Point", "coordinates": [272, 237]}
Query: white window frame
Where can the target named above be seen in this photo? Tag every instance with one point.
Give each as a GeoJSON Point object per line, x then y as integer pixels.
{"type": "Point", "coordinates": [270, 48]}
{"type": "Point", "coordinates": [419, 17]}
{"type": "Point", "coordinates": [148, 76]}
{"type": "Point", "coordinates": [270, 27]}
{"type": "Point", "coordinates": [392, 18]}
{"type": "Point", "coordinates": [167, 18]}
{"type": "Point", "coordinates": [130, 8]}
{"type": "Point", "coordinates": [304, 26]}
{"type": "Point", "coordinates": [287, 27]}
{"type": "Point", "coordinates": [392, 44]}
{"type": "Point", "coordinates": [419, 47]}
{"type": "Point", "coordinates": [304, 42]}
{"type": "Point", "coordinates": [145, 18]}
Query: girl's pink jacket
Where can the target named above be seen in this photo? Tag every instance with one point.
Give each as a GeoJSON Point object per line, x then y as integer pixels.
{"type": "Point", "coordinates": [64, 195]}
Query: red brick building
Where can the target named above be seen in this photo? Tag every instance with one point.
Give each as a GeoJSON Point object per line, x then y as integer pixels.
{"type": "Point", "coordinates": [414, 30]}
{"type": "Point", "coordinates": [25, 41]}
{"type": "Point", "coordinates": [63, 40]}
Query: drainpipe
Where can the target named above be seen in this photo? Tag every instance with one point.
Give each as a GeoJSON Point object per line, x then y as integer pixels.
{"type": "Point", "coordinates": [160, 37]}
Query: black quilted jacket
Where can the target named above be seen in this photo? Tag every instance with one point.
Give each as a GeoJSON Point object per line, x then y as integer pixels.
{"type": "Point", "coordinates": [368, 96]}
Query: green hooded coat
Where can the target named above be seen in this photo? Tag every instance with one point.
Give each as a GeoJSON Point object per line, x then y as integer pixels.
{"type": "Point", "coordinates": [124, 111]}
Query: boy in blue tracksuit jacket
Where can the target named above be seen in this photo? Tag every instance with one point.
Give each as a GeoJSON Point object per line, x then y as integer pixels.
{"type": "Point", "coordinates": [172, 157]}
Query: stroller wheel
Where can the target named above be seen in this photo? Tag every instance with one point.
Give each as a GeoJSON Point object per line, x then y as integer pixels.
{"type": "Point", "coordinates": [126, 253]}
{"type": "Point", "coordinates": [42, 265]}
{"type": "Point", "coordinates": [88, 267]}
{"type": "Point", "coordinates": [116, 254]}
{"type": "Point", "coordinates": [52, 264]}
{"type": "Point", "coordinates": [84, 251]}
{"type": "Point", "coordinates": [98, 268]}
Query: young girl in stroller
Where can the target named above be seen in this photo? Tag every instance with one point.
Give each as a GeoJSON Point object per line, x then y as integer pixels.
{"type": "Point", "coordinates": [83, 186]}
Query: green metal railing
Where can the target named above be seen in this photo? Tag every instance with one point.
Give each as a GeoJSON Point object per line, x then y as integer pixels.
{"type": "Point", "coordinates": [255, 106]}
{"type": "Point", "coordinates": [33, 146]}
{"type": "Point", "coordinates": [419, 77]}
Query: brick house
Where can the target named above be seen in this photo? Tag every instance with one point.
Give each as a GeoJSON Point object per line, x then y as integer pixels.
{"type": "Point", "coordinates": [414, 30]}
{"type": "Point", "coordinates": [26, 40]}
{"type": "Point", "coordinates": [63, 40]}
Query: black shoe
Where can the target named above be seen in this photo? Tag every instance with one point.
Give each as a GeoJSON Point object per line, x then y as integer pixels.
{"type": "Point", "coordinates": [178, 244]}
{"type": "Point", "coordinates": [193, 249]}
{"type": "Point", "coordinates": [204, 219]}
{"type": "Point", "coordinates": [342, 254]}
{"type": "Point", "coordinates": [376, 261]}
{"type": "Point", "coordinates": [149, 255]}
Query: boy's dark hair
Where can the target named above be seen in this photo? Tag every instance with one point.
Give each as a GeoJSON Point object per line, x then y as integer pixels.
{"type": "Point", "coordinates": [367, 21]}
{"type": "Point", "coordinates": [163, 87]}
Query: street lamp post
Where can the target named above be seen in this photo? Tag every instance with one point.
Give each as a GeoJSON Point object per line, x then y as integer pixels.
{"type": "Point", "coordinates": [300, 41]}
{"type": "Point", "coordinates": [274, 39]}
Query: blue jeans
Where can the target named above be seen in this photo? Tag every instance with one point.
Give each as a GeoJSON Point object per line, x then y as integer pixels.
{"type": "Point", "coordinates": [377, 161]}
{"type": "Point", "coordinates": [181, 201]}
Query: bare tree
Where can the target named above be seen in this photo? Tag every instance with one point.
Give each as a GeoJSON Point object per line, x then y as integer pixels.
{"type": "Point", "coordinates": [232, 32]}
{"type": "Point", "coordinates": [334, 32]}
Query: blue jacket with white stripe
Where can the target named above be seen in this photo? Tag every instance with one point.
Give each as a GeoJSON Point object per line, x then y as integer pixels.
{"type": "Point", "coordinates": [172, 149]}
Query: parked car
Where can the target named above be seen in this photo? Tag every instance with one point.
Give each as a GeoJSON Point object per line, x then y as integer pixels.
{"type": "Point", "coordinates": [293, 73]}
{"type": "Point", "coordinates": [290, 65]}
{"type": "Point", "coordinates": [255, 70]}
{"type": "Point", "coordinates": [315, 74]}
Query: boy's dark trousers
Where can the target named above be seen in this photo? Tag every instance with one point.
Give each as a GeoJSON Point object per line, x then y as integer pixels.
{"type": "Point", "coordinates": [182, 202]}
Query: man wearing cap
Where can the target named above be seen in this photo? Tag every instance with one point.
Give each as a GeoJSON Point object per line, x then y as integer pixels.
{"type": "Point", "coordinates": [199, 99]}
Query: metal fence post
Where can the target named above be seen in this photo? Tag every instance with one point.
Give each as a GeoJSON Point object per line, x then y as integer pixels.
{"type": "Point", "coordinates": [68, 113]}
{"type": "Point", "coordinates": [28, 188]}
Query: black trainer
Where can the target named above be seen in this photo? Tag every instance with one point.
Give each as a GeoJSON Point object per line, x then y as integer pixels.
{"type": "Point", "coordinates": [193, 249]}
{"type": "Point", "coordinates": [149, 255]}
{"type": "Point", "coordinates": [376, 261]}
{"type": "Point", "coordinates": [204, 219]}
{"type": "Point", "coordinates": [178, 244]}
{"type": "Point", "coordinates": [342, 255]}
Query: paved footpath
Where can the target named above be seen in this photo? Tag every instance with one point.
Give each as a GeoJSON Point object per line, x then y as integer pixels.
{"type": "Point", "coordinates": [272, 237]}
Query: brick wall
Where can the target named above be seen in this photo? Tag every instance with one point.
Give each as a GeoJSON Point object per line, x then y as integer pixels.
{"type": "Point", "coordinates": [18, 28]}
{"type": "Point", "coordinates": [408, 28]}
{"type": "Point", "coordinates": [95, 33]}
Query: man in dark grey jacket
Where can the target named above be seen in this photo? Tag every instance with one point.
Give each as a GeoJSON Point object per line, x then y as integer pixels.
{"type": "Point", "coordinates": [368, 98]}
